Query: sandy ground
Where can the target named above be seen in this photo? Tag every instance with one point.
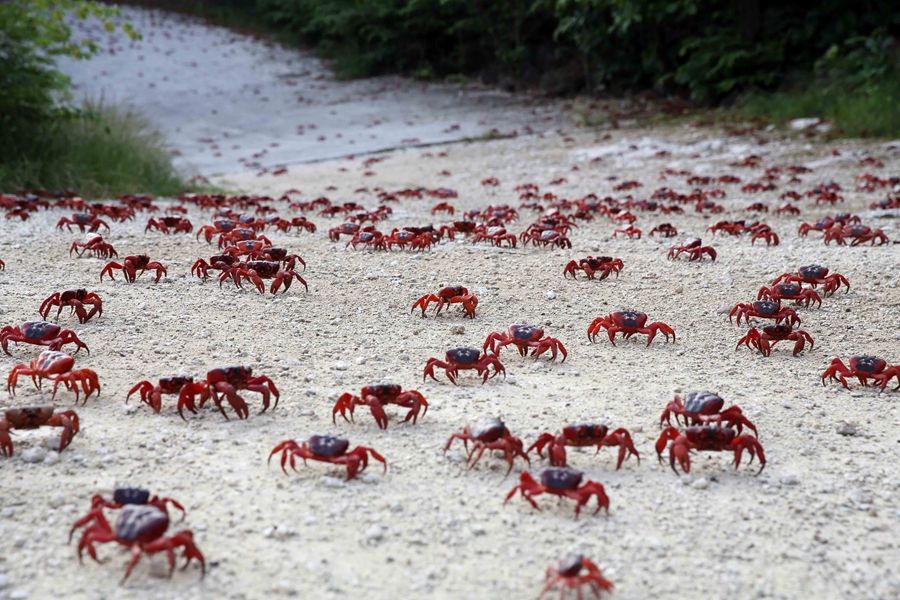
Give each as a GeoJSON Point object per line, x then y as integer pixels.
{"type": "Point", "coordinates": [819, 522]}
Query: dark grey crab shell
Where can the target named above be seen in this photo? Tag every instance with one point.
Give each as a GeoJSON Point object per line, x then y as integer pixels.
{"type": "Point", "coordinates": [868, 364]}
{"type": "Point", "coordinates": [560, 478]}
{"type": "Point", "coordinates": [464, 356]}
{"type": "Point", "coordinates": [142, 522]}
{"type": "Point", "coordinates": [523, 331]}
{"type": "Point", "coordinates": [570, 565]}
{"type": "Point", "coordinates": [328, 445]}
{"type": "Point", "coordinates": [488, 429]}
{"type": "Point", "coordinates": [131, 496]}
{"type": "Point", "coordinates": [702, 402]}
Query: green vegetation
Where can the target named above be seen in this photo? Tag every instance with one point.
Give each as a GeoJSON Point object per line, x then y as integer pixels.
{"type": "Point", "coordinates": [44, 141]}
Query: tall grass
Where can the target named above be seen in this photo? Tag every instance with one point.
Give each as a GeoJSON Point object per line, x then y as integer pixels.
{"type": "Point", "coordinates": [97, 151]}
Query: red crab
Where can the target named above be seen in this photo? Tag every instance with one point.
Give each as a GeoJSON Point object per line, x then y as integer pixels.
{"type": "Point", "coordinates": [142, 528]}
{"type": "Point", "coordinates": [302, 223]}
{"type": "Point", "coordinates": [257, 270]}
{"type": "Point", "coordinates": [327, 448]}
{"type": "Point", "coordinates": [815, 275]}
{"type": "Point", "coordinates": [628, 322]}
{"type": "Point", "coordinates": [464, 358]}
{"type": "Point", "coordinates": [219, 226]}
{"type": "Point", "coordinates": [123, 497]}
{"type": "Point", "coordinates": [764, 309]}
{"type": "Point", "coordinates": [705, 408]}
{"type": "Point", "coordinates": [93, 243]}
{"type": "Point", "coordinates": [695, 249]}
{"type": "Point", "coordinates": [574, 572]}
{"type": "Point", "coordinates": [376, 397]}
{"type": "Point", "coordinates": [581, 435]}
{"type": "Point", "coordinates": [495, 234]}
{"type": "Point", "coordinates": [2, 264]}
{"type": "Point", "coordinates": [523, 337]}
{"type": "Point", "coordinates": [75, 299]}
{"type": "Point", "coordinates": [788, 208]}
{"type": "Point", "coordinates": [40, 333]}
{"type": "Point", "coordinates": [860, 234]}
{"type": "Point", "coordinates": [761, 231]}
{"type": "Point", "coordinates": [368, 236]}
{"type": "Point", "coordinates": [225, 382]}
{"type": "Point", "coordinates": [82, 221]}
{"type": "Point", "coordinates": [447, 296]}
{"type": "Point", "coordinates": [130, 267]}
{"type": "Point", "coordinates": [169, 225]}
{"type": "Point", "coordinates": [708, 438]}
{"type": "Point", "coordinates": [665, 230]}
{"type": "Point", "coordinates": [631, 232]}
{"type": "Point", "coordinates": [219, 262]}
{"type": "Point", "coordinates": [242, 234]}
{"type": "Point", "coordinates": [55, 366]}
{"type": "Point", "coordinates": [771, 335]}
{"type": "Point", "coordinates": [489, 434]}
{"type": "Point", "coordinates": [443, 207]}
{"type": "Point", "coordinates": [151, 395]}
{"type": "Point", "coordinates": [604, 265]}
{"type": "Point", "coordinates": [547, 237]}
{"type": "Point", "coordinates": [863, 368]}
{"type": "Point", "coordinates": [32, 417]}
{"type": "Point", "coordinates": [790, 291]}
{"type": "Point", "coordinates": [562, 482]}
{"type": "Point", "coordinates": [335, 233]}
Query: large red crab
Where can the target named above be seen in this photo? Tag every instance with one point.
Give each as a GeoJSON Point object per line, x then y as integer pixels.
{"type": "Point", "coordinates": [82, 221]}
{"type": "Point", "coordinates": [562, 482]}
{"type": "Point", "coordinates": [547, 237]}
{"type": "Point", "coordinates": [601, 267]}
{"type": "Point", "coordinates": [55, 366]}
{"type": "Point", "coordinates": [495, 234]}
{"type": "Point", "coordinates": [329, 449]}
{"type": "Point", "coordinates": [815, 275]}
{"type": "Point", "coordinates": [628, 322]}
{"type": "Point", "coordinates": [257, 270]}
{"type": "Point", "coordinates": [169, 225]}
{"type": "Point", "coordinates": [123, 497]}
{"type": "Point", "coordinates": [376, 397]}
{"type": "Point", "coordinates": [704, 408]}
{"type": "Point", "coordinates": [76, 300]}
{"type": "Point", "coordinates": [447, 296]}
{"type": "Point", "coordinates": [862, 367]}
{"type": "Point", "coordinates": [489, 434]}
{"type": "Point", "coordinates": [219, 226]}
{"type": "Point", "coordinates": [773, 334]}
{"type": "Point", "coordinates": [860, 234]}
{"type": "Point", "coordinates": [458, 359]}
{"type": "Point", "coordinates": [694, 248]}
{"type": "Point", "coordinates": [130, 267]}
{"type": "Point", "coordinates": [790, 291]}
{"type": "Point", "coordinates": [94, 244]}
{"type": "Point", "coordinates": [142, 529]}
{"type": "Point", "coordinates": [525, 337]}
{"type": "Point", "coordinates": [40, 333]}
{"type": "Point", "coordinates": [32, 417]}
{"type": "Point", "coordinates": [764, 309]}
{"type": "Point", "coordinates": [225, 382]}
{"type": "Point", "coordinates": [575, 572]}
{"type": "Point", "coordinates": [581, 435]}
{"type": "Point", "coordinates": [707, 438]}
{"type": "Point", "coordinates": [151, 395]}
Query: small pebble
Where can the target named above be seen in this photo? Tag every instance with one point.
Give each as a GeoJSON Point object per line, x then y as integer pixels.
{"type": "Point", "coordinates": [333, 482]}
{"type": "Point", "coordinates": [340, 366]}
{"type": "Point", "coordinates": [19, 594]}
{"type": "Point", "coordinates": [34, 455]}
{"type": "Point", "coordinates": [847, 429]}
{"type": "Point", "coordinates": [4, 581]}
{"type": "Point", "coordinates": [789, 479]}
{"type": "Point", "coordinates": [458, 329]}
{"type": "Point", "coordinates": [551, 295]}
{"type": "Point", "coordinates": [375, 533]}
{"type": "Point", "coordinates": [700, 484]}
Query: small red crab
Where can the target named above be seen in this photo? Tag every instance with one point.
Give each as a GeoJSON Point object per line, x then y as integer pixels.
{"type": "Point", "coordinates": [665, 230]}
{"type": "Point", "coordinates": [151, 395]}
{"type": "Point", "coordinates": [327, 448]}
{"type": "Point", "coordinates": [219, 226]}
{"type": "Point", "coordinates": [547, 237]}
{"type": "Point", "coordinates": [40, 333]}
{"type": "Point", "coordinates": [348, 228]}
{"type": "Point", "coordinates": [773, 334]}
{"type": "Point", "coordinates": [581, 435]}
{"type": "Point", "coordinates": [574, 572]}
{"type": "Point", "coordinates": [494, 234]}
{"type": "Point", "coordinates": [130, 267]}
{"type": "Point", "coordinates": [523, 337]}
{"type": "Point", "coordinates": [790, 291]}
{"type": "Point", "coordinates": [225, 382]}
{"type": "Point", "coordinates": [142, 528]}
{"type": "Point", "coordinates": [257, 270]}
{"type": "Point", "coordinates": [82, 221]}
{"type": "Point", "coordinates": [464, 358]}
{"type": "Point", "coordinates": [562, 482]}
{"type": "Point", "coordinates": [169, 225]}
{"type": "Point", "coordinates": [32, 417]}
{"type": "Point", "coordinates": [863, 368]}
{"type": "Point", "coordinates": [761, 231]}
{"type": "Point", "coordinates": [368, 236]}
{"type": "Point", "coordinates": [55, 366]}
{"type": "Point", "coordinates": [704, 408]}
{"type": "Point", "coordinates": [764, 309]}
{"type": "Point", "coordinates": [443, 207]}
{"type": "Point", "coordinates": [447, 296]}
{"type": "Point", "coordinates": [860, 234]}
{"type": "Point", "coordinates": [815, 275]}
{"type": "Point", "coordinates": [631, 232]}
{"type": "Point", "coordinates": [489, 434]}
{"type": "Point", "coordinates": [376, 397]}
{"type": "Point", "coordinates": [604, 265]}
{"type": "Point", "coordinates": [695, 249]}
{"type": "Point", "coordinates": [708, 438]}
{"type": "Point", "coordinates": [75, 299]}
{"type": "Point", "coordinates": [95, 244]}
{"type": "Point", "coordinates": [628, 322]}
{"type": "Point", "coordinates": [123, 497]}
